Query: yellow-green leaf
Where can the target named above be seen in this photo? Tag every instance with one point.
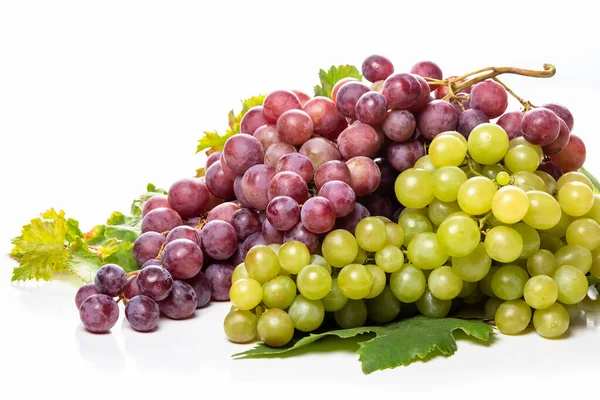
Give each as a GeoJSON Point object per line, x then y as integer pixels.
{"type": "Point", "coordinates": [332, 76]}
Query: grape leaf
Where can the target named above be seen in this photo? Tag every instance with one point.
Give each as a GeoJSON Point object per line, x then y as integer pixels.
{"type": "Point", "coordinates": [330, 78]}
{"type": "Point", "coordinates": [83, 262]}
{"type": "Point", "coordinates": [118, 252]}
{"type": "Point", "coordinates": [395, 344]}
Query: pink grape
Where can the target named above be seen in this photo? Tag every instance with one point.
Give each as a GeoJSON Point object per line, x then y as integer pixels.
{"type": "Point", "coordinates": [253, 118]}
{"type": "Point", "coordinates": [278, 102]}
{"type": "Point", "coordinates": [295, 127]}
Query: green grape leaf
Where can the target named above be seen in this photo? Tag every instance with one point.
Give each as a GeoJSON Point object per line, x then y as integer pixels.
{"type": "Point", "coordinates": [118, 252]}
{"type": "Point", "coordinates": [591, 178]}
{"type": "Point", "coordinates": [330, 78]}
{"type": "Point", "coordinates": [396, 344]}
{"type": "Point", "coordinates": [83, 262]}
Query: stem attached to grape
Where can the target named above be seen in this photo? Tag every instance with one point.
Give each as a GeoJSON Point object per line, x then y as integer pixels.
{"type": "Point", "coordinates": [526, 104]}
{"type": "Point", "coordinates": [132, 273]}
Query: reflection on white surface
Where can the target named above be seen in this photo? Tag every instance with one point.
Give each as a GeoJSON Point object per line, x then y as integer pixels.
{"type": "Point", "coordinates": [100, 351]}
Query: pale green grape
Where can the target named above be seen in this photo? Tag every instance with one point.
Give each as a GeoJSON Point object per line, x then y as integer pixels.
{"type": "Point", "coordinates": [407, 210]}
{"type": "Point", "coordinates": [510, 204]}
{"type": "Point", "coordinates": [413, 223]}
{"type": "Point", "coordinates": [509, 281]}
{"type": "Point", "coordinates": [385, 220]}
{"type": "Point", "coordinates": [458, 235]}
{"type": "Point", "coordinates": [431, 306]}
{"type": "Point", "coordinates": [521, 158]}
{"type": "Point", "coordinates": [239, 272]}
{"type": "Point", "coordinates": [575, 255]}
{"type": "Point", "coordinates": [560, 229]}
{"type": "Point", "coordinates": [279, 292]}
{"type": "Point", "coordinates": [275, 247]}
{"type": "Point", "coordinates": [541, 263]}
{"type": "Point", "coordinates": [262, 263]}
{"type": "Point", "coordinates": [574, 176]}
{"type": "Point", "coordinates": [390, 258]}
{"type": "Point", "coordinates": [446, 150]}
{"type": "Point", "coordinates": [585, 232]}
{"type": "Point", "coordinates": [512, 317]}
{"type": "Point", "coordinates": [485, 285]}
{"type": "Point", "coordinates": [544, 211]}
{"type": "Point", "coordinates": [529, 180]}
{"type": "Point", "coordinates": [275, 328]}
{"type": "Point", "coordinates": [455, 134]}
{"type": "Point", "coordinates": [379, 280]}
{"type": "Point", "coordinates": [320, 260]}
{"type": "Point", "coordinates": [371, 234]}
{"type": "Point", "coordinates": [492, 221]}
{"type": "Point", "coordinates": [446, 183]}
{"type": "Point", "coordinates": [474, 266]}
{"type": "Point", "coordinates": [245, 294]}
{"type": "Point", "coordinates": [361, 257]}
{"type": "Point", "coordinates": [575, 198]}
{"type": "Point", "coordinates": [425, 252]}
{"type": "Point", "coordinates": [550, 242]}
{"type": "Point", "coordinates": [595, 269]}
{"type": "Point", "coordinates": [383, 308]}
{"type": "Point", "coordinates": [521, 141]}
{"type": "Point", "coordinates": [551, 322]}
{"type": "Point", "coordinates": [352, 315]}
{"type": "Point", "coordinates": [414, 188]}
{"type": "Point", "coordinates": [306, 314]}
{"type": "Point", "coordinates": [395, 234]}
{"type": "Point", "coordinates": [531, 240]}
{"type": "Point", "coordinates": [314, 282]}
{"type": "Point", "coordinates": [503, 178]}
{"type": "Point", "coordinates": [339, 248]}
{"type": "Point", "coordinates": [439, 210]}
{"type": "Point", "coordinates": [335, 299]}
{"type": "Point", "coordinates": [408, 283]}
{"type": "Point", "coordinates": [549, 181]}
{"type": "Point", "coordinates": [503, 244]}
{"type": "Point", "coordinates": [474, 298]}
{"type": "Point", "coordinates": [444, 283]}
{"type": "Point", "coordinates": [540, 292]}
{"type": "Point", "coordinates": [594, 212]}
{"type": "Point", "coordinates": [293, 256]}
{"type": "Point", "coordinates": [468, 288]}
{"type": "Point", "coordinates": [240, 326]}
{"type": "Point", "coordinates": [491, 305]}
{"type": "Point", "coordinates": [355, 281]}
{"type": "Point", "coordinates": [572, 284]}
{"type": "Point", "coordinates": [487, 143]}
{"type": "Point", "coordinates": [425, 163]}
{"type": "Point", "coordinates": [492, 170]}
{"type": "Point", "coordinates": [476, 194]}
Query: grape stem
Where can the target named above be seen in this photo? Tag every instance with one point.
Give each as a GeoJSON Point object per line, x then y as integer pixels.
{"type": "Point", "coordinates": [526, 104]}
{"type": "Point", "coordinates": [470, 163]}
{"type": "Point", "coordinates": [132, 273]}
{"type": "Point", "coordinates": [483, 220]}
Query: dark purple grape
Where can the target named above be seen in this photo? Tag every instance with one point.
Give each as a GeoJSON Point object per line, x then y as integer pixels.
{"type": "Point", "coordinates": [561, 140]}
{"type": "Point", "coordinates": [371, 108]}
{"type": "Point", "coordinates": [388, 176]}
{"type": "Point", "coordinates": [276, 151]}
{"type": "Point", "coordinates": [347, 97]}
{"type": "Point", "coordinates": [155, 282]}
{"type": "Point", "coordinates": [364, 175]}
{"type": "Point", "coordinates": [427, 69]}
{"type": "Point", "coordinates": [511, 123]}
{"type": "Point", "coordinates": [290, 184]}
{"type": "Point", "coordinates": [270, 234]}
{"type": "Point", "coordinates": [403, 156]}
{"type": "Point", "coordinates": [318, 215]}
{"type": "Point", "coordinates": [255, 184]}
{"type": "Point", "coordinates": [253, 240]}
{"type": "Point", "coordinates": [358, 140]}
{"type": "Point", "coordinates": [436, 117]}
{"type": "Point", "coordinates": [110, 280]}
{"type": "Point", "coordinates": [153, 261]}
{"type": "Point", "coordinates": [267, 135]}
{"type": "Point", "coordinates": [350, 221]}
{"type": "Point", "coordinates": [262, 215]}
{"type": "Point", "coordinates": [378, 204]}
{"type": "Point", "coordinates": [551, 168]}
{"type": "Point", "coordinates": [283, 212]}
{"type": "Point", "coordinates": [212, 158]}
{"type": "Point", "coordinates": [295, 127]}
{"type": "Point", "coordinates": [219, 239]}
{"type": "Point", "coordinates": [324, 114]}
{"type": "Point", "coordinates": [84, 292]}
{"type": "Point", "coordinates": [220, 183]}
{"type": "Point", "coordinates": [572, 157]}
{"type": "Point", "coordinates": [189, 197]}
{"type": "Point", "coordinates": [490, 98]}
{"type": "Point", "coordinates": [341, 196]}
{"type": "Point", "coordinates": [278, 102]}
{"type": "Point", "coordinates": [238, 257]}
{"type": "Point", "coordinates": [161, 220]}
{"type": "Point", "coordinates": [99, 313]}
{"type": "Point", "coordinates": [298, 163]}
{"type": "Point", "coordinates": [301, 234]}
{"type": "Point", "coordinates": [319, 150]}
{"type": "Point", "coordinates": [183, 232]}
{"type": "Point", "coordinates": [223, 212]}
{"type": "Point", "coordinates": [159, 201]}
{"type": "Point", "coordinates": [242, 151]}
{"type": "Point", "coordinates": [252, 120]}
{"type": "Point", "coordinates": [132, 288]}
{"type": "Point", "coordinates": [402, 91]}
{"type": "Point", "coordinates": [245, 222]}
{"type": "Point", "coordinates": [377, 68]}
{"type": "Point", "coordinates": [540, 126]}
{"type": "Point", "coordinates": [562, 112]}
{"type": "Point", "coordinates": [213, 201]}
{"type": "Point", "coordinates": [424, 98]}
{"type": "Point", "coordinates": [334, 170]}
{"type": "Point", "coordinates": [181, 302]}
{"type": "Point", "coordinates": [399, 125]}
{"type": "Point", "coordinates": [182, 258]}
{"type": "Point", "coordinates": [203, 288]}
{"type": "Point", "coordinates": [461, 105]}
{"type": "Point", "coordinates": [219, 276]}
{"type": "Point", "coordinates": [342, 124]}
{"type": "Point", "coordinates": [147, 246]}
{"type": "Point", "coordinates": [239, 192]}
{"type": "Point", "coordinates": [396, 214]}
{"type": "Point", "coordinates": [469, 119]}
{"type": "Point", "coordinates": [142, 313]}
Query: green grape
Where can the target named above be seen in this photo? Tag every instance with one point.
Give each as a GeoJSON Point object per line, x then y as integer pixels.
{"type": "Point", "coordinates": [585, 232]}
{"type": "Point", "coordinates": [551, 322]}
{"type": "Point", "coordinates": [575, 198]}
{"type": "Point", "coordinates": [314, 282]}
{"type": "Point", "coordinates": [492, 170]}
{"type": "Point", "coordinates": [413, 223]}
{"type": "Point", "coordinates": [503, 244]}
{"type": "Point", "coordinates": [540, 292]}
{"type": "Point", "coordinates": [594, 212]}
{"type": "Point", "coordinates": [432, 307]}
{"type": "Point", "coordinates": [390, 258]}
{"type": "Point", "coordinates": [383, 308]}
{"type": "Point", "coordinates": [245, 294]}
{"type": "Point", "coordinates": [335, 299]}
{"type": "Point", "coordinates": [371, 234]}
{"type": "Point", "coordinates": [476, 194]}
{"type": "Point", "coordinates": [542, 262]}
{"type": "Point", "coordinates": [512, 317]}
{"type": "Point", "coordinates": [275, 328]}
{"type": "Point", "coordinates": [425, 163]}
{"type": "Point", "coordinates": [279, 292]}
{"type": "Point", "coordinates": [521, 141]}
{"type": "Point", "coordinates": [468, 288]}
{"type": "Point", "coordinates": [544, 211]}
{"type": "Point", "coordinates": [560, 229]}
{"type": "Point", "coordinates": [458, 235]}
{"type": "Point", "coordinates": [485, 284]}
{"type": "Point", "coordinates": [316, 259]}
{"type": "Point", "coordinates": [574, 176]}
{"type": "Point", "coordinates": [306, 314]}
{"type": "Point", "coordinates": [293, 256]}
{"type": "Point", "coordinates": [439, 210]}
{"type": "Point", "coordinates": [521, 158]}
{"type": "Point", "coordinates": [446, 183]}
{"type": "Point", "coordinates": [488, 143]}
{"type": "Point", "coordinates": [414, 188]}
{"type": "Point", "coordinates": [492, 221]}
{"type": "Point", "coordinates": [383, 219]}
{"type": "Point", "coordinates": [446, 150]}
{"type": "Point", "coordinates": [575, 255]}
{"type": "Point", "coordinates": [339, 248]}
{"type": "Point", "coordinates": [352, 315]}
{"type": "Point", "coordinates": [239, 272]}
{"type": "Point", "coordinates": [444, 283]}
{"type": "Point", "coordinates": [549, 181]}
{"type": "Point", "coordinates": [531, 240]}
{"type": "Point", "coordinates": [510, 204]}
{"type": "Point", "coordinates": [550, 242]}
{"type": "Point", "coordinates": [530, 180]}
{"type": "Point", "coordinates": [595, 269]}
{"type": "Point", "coordinates": [509, 281]}
{"type": "Point", "coordinates": [275, 247]}
{"type": "Point", "coordinates": [361, 257]}
{"type": "Point", "coordinates": [407, 210]}
{"type": "Point", "coordinates": [379, 281]}
{"type": "Point", "coordinates": [425, 252]}
{"type": "Point", "coordinates": [474, 266]}
{"type": "Point", "coordinates": [491, 306]}
{"type": "Point", "coordinates": [572, 284]}
{"type": "Point", "coordinates": [474, 298]}
{"type": "Point", "coordinates": [395, 234]}
{"type": "Point", "coordinates": [240, 326]}
{"type": "Point", "coordinates": [262, 263]}
{"type": "Point", "coordinates": [355, 281]}
{"type": "Point", "coordinates": [503, 178]}
{"type": "Point", "coordinates": [455, 134]}
{"type": "Point", "coordinates": [408, 283]}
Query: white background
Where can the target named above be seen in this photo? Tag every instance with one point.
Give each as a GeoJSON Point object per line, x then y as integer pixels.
{"type": "Point", "coordinates": [99, 98]}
